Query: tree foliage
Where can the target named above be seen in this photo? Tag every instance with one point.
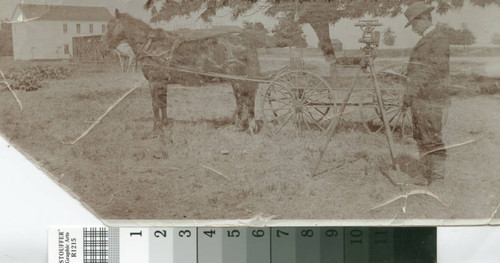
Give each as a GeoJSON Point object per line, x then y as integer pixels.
{"type": "Point", "coordinates": [389, 37]}
{"type": "Point", "coordinates": [463, 37]}
{"type": "Point", "coordinates": [288, 32]}
{"type": "Point", "coordinates": [308, 11]}
{"type": "Point", "coordinates": [6, 48]}
{"type": "Point", "coordinates": [495, 39]}
{"type": "Point", "coordinates": [256, 35]}
{"type": "Point", "coordinates": [320, 14]}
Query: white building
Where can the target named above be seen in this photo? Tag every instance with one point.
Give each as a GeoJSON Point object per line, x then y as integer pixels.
{"type": "Point", "coordinates": [46, 31]}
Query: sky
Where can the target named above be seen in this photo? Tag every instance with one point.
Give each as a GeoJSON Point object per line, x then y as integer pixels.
{"type": "Point", "coordinates": [483, 22]}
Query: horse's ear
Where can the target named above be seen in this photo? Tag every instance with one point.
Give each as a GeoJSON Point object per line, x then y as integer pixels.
{"type": "Point", "coordinates": [117, 13]}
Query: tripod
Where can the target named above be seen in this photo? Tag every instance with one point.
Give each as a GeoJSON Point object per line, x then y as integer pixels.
{"type": "Point", "coordinates": [371, 40]}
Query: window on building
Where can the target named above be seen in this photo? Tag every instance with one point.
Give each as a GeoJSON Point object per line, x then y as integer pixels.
{"type": "Point", "coordinates": [65, 28]}
{"type": "Point", "coordinates": [91, 28]}
{"type": "Point", "coordinates": [66, 49]}
{"type": "Point", "coordinates": [103, 28]}
{"type": "Point", "coordinates": [78, 31]}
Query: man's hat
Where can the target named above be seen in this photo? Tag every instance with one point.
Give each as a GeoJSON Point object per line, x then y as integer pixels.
{"type": "Point", "coordinates": [415, 10]}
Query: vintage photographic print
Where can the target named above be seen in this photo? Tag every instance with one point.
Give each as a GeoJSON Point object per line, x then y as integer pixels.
{"type": "Point", "coordinates": [211, 109]}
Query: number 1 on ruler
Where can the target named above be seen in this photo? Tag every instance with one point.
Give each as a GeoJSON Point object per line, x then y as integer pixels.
{"type": "Point", "coordinates": [134, 245]}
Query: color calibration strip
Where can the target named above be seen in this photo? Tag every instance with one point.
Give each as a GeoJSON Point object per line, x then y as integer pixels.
{"type": "Point", "coordinates": [242, 245]}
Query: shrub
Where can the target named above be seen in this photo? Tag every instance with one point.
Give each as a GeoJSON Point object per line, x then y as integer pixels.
{"type": "Point", "coordinates": [29, 78]}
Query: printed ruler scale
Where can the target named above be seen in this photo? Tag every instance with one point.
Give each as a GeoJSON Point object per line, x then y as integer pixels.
{"type": "Point", "coordinates": [242, 245]}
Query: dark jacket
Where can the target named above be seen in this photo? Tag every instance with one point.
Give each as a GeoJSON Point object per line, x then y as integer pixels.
{"type": "Point", "coordinates": [429, 66]}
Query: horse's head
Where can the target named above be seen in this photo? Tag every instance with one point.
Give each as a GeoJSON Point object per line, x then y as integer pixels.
{"type": "Point", "coordinates": [115, 32]}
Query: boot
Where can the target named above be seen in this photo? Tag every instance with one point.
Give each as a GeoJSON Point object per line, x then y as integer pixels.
{"type": "Point", "coordinates": [402, 178]}
{"type": "Point", "coordinates": [438, 166]}
{"type": "Point", "coordinates": [426, 169]}
{"type": "Point", "coordinates": [433, 167]}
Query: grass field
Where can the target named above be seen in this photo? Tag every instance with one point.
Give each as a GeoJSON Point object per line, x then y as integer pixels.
{"type": "Point", "coordinates": [203, 168]}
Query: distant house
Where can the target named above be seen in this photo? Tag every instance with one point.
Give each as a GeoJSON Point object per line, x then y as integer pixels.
{"type": "Point", "coordinates": [337, 44]}
{"type": "Point", "coordinates": [46, 31]}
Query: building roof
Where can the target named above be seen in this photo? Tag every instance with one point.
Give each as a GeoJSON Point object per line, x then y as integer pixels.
{"type": "Point", "coordinates": [65, 13]}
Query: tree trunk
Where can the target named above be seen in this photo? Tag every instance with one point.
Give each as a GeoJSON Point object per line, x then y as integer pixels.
{"type": "Point", "coordinates": [322, 31]}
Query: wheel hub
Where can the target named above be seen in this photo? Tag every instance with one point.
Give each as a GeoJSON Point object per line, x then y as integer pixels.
{"type": "Point", "coordinates": [298, 105]}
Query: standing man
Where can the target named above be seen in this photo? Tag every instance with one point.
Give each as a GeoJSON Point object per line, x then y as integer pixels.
{"type": "Point", "coordinates": [426, 93]}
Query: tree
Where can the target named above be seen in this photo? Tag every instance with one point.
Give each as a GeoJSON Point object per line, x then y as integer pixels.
{"type": "Point", "coordinates": [463, 37]}
{"type": "Point", "coordinates": [495, 39]}
{"type": "Point", "coordinates": [389, 37]}
{"type": "Point", "coordinates": [6, 38]}
{"type": "Point", "coordinates": [288, 32]}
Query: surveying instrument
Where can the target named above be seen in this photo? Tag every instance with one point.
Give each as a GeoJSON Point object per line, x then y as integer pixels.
{"type": "Point", "coordinates": [371, 40]}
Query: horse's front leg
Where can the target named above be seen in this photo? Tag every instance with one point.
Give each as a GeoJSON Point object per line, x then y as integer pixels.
{"type": "Point", "coordinates": [130, 62]}
{"type": "Point", "coordinates": [121, 61]}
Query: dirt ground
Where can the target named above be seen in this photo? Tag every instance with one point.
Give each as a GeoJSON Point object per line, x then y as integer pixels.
{"type": "Point", "coordinates": [205, 169]}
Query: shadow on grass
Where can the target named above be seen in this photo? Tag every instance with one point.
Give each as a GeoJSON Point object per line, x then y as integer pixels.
{"type": "Point", "coordinates": [212, 123]}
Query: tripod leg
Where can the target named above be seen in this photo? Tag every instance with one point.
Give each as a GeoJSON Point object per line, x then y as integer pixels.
{"type": "Point", "coordinates": [333, 124]}
{"type": "Point", "coordinates": [387, 128]}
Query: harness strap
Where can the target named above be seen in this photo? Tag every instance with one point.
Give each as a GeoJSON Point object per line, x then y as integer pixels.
{"type": "Point", "coordinates": [231, 58]}
{"type": "Point", "coordinates": [176, 44]}
{"type": "Point", "coordinates": [144, 47]}
{"type": "Point", "coordinates": [142, 53]}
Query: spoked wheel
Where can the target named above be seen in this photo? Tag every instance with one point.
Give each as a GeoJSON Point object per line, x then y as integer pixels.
{"type": "Point", "coordinates": [399, 116]}
{"type": "Point", "coordinates": [296, 101]}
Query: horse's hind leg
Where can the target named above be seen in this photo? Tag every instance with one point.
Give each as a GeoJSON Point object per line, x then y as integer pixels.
{"type": "Point", "coordinates": [162, 97]}
{"type": "Point", "coordinates": [244, 116]}
{"type": "Point", "coordinates": [154, 88]}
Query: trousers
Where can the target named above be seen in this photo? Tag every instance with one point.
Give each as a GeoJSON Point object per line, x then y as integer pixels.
{"type": "Point", "coordinates": [428, 117]}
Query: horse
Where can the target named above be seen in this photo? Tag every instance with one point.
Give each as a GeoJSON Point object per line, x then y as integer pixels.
{"type": "Point", "coordinates": [158, 51]}
{"type": "Point", "coordinates": [124, 50]}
